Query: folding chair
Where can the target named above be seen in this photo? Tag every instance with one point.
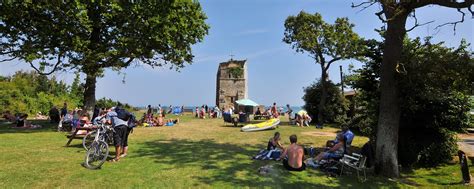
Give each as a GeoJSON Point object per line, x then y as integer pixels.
{"type": "Point", "coordinates": [357, 162]}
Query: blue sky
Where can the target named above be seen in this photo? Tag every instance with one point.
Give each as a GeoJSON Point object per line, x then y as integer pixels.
{"type": "Point", "coordinates": [253, 30]}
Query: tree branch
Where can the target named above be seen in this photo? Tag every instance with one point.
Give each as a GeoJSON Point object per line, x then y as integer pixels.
{"type": "Point", "coordinates": [54, 68]}
{"type": "Point", "coordinates": [416, 22]}
{"type": "Point", "coordinates": [8, 59]}
{"type": "Point", "coordinates": [453, 23]}
{"type": "Point", "coordinates": [379, 14]}
{"type": "Point", "coordinates": [363, 7]}
{"type": "Point", "coordinates": [451, 3]}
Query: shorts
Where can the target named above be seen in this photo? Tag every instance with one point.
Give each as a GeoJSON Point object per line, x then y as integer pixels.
{"type": "Point", "coordinates": [119, 135]}
{"type": "Point", "coordinates": [289, 168]}
{"type": "Point", "coordinates": [329, 155]}
{"type": "Point", "coordinates": [125, 140]}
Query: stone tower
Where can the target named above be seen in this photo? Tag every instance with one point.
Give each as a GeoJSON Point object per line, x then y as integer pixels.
{"type": "Point", "coordinates": [231, 83]}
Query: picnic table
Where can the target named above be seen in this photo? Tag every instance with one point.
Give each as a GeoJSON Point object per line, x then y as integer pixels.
{"type": "Point", "coordinates": [74, 135]}
{"type": "Point", "coordinates": [255, 117]}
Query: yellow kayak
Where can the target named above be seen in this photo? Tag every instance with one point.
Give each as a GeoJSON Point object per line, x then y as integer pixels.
{"type": "Point", "coordinates": [270, 124]}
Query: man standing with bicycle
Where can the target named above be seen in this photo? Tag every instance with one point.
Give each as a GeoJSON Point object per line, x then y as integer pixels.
{"type": "Point", "coordinates": [119, 123]}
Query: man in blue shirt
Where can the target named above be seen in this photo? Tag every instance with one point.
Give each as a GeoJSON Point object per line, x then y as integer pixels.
{"type": "Point", "coordinates": [348, 137]}
{"type": "Point", "coordinates": [120, 130]}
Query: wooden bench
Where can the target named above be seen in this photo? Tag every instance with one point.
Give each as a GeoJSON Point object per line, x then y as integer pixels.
{"type": "Point", "coordinates": [74, 135]}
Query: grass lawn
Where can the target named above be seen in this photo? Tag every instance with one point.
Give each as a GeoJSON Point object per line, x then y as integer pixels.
{"type": "Point", "coordinates": [195, 153]}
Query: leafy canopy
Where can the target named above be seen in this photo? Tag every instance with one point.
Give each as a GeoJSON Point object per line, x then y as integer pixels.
{"type": "Point", "coordinates": [101, 34]}
{"type": "Point", "coordinates": [434, 96]}
{"type": "Point", "coordinates": [309, 33]}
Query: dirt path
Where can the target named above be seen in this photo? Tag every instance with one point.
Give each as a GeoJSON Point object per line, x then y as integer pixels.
{"type": "Point", "coordinates": [319, 133]}
{"type": "Point", "coordinates": [466, 144]}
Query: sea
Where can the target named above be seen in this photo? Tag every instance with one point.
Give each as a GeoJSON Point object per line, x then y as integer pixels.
{"type": "Point", "coordinates": [294, 108]}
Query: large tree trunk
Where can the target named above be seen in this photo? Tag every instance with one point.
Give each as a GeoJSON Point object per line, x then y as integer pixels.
{"type": "Point", "coordinates": [324, 94]}
{"type": "Point", "coordinates": [89, 92]}
{"type": "Point", "coordinates": [389, 113]}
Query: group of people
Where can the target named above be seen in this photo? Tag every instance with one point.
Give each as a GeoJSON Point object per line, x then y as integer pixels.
{"type": "Point", "coordinates": [121, 121]}
{"type": "Point", "coordinates": [206, 111]}
{"type": "Point", "coordinates": [149, 120]}
{"type": "Point", "coordinates": [293, 156]}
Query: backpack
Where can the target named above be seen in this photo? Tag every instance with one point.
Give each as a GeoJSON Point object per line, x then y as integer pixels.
{"type": "Point", "coordinates": [123, 114]}
{"type": "Point", "coordinates": [132, 121]}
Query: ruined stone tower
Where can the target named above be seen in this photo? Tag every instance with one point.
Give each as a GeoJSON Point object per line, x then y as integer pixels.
{"type": "Point", "coordinates": [231, 83]}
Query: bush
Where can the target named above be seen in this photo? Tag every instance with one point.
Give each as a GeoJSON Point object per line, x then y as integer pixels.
{"type": "Point", "coordinates": [28, 92]}
{"type": "Point", "coordinates": [336, 108]}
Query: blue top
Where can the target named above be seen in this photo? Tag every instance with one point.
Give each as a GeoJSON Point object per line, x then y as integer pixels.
{"type": "Point", "coordinates": [349, 136]}
{"type": "Point", "coordinates": [112, 116]}
{"type": "Point", "coordinates": [97, 120]}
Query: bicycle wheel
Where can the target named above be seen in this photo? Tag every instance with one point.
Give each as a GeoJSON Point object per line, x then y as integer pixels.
{"type": "Point", "coordinates": [96, 155]}
{"type": "Point", "coordinates": [88, 139]}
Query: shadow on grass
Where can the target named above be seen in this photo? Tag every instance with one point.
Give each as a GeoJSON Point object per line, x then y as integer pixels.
{"type": "Point", "coordinates": [230, 164]}
{"type": "Point", "coordinates": [46, 126]}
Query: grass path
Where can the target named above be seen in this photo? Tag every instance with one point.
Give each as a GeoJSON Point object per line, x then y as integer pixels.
{"type": "Point", "coordinates": [195, 153]}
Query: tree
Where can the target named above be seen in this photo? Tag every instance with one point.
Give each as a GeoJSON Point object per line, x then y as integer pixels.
{"type": "Point", "coordinates": [324, 42]}
{"type": "Point", "coordinates": [395, 14]}
{"type": "Point", "coordinates": [434, 95]}
{"type": "Point", "coordinates": [336, 108]}
{"type": "Point", "coordinates": [21, 93]}
{"type": "Point", "coordinates": [93, 36]}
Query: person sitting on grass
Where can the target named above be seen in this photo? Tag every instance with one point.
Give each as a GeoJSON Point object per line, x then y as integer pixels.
{"type": "Point", "coordinates": [293, 156]}
{"type": "Point", "coordinates": [160, 120]}
{"type": "Point", "coordinates": [9, 117]}
{"type": "Point", "coordinates": [22, 122]}
{"type": "Point", "coordinates": [335, 152]}
{"type": "Point", "coordinates": [258, 112]}
{"type": "Point", "coordinates": [172, 122]}
{"type": "Point", "coordinates": [273, 151]}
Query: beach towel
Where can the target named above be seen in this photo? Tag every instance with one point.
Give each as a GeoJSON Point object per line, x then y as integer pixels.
{"type": "Point", "coordinates": [268, 154]}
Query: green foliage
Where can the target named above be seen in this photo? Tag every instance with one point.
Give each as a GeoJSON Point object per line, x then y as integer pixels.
{"type": "Point", "coordinates": [336, 107]}
{"type": "Point", "coordinates": [23, 92]}
{"type": "Point", "coordinates": [77, 88]}
{"type": "Point", "coordinates": [108, 103]}
{"type": "Point", "coordinates": [309, 33]}
{"type": "Point", "coordinates": [433, 98]}
{"type": "Point", "coordinates": [236, 72]}
{"type": "Point", "coordinates": [102, 34]}
{"type": "Point", "coordinates": [95, 35]}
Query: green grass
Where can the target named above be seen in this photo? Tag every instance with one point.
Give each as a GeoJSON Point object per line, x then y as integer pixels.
{"type": "Point", "coordinates": [195, 153]}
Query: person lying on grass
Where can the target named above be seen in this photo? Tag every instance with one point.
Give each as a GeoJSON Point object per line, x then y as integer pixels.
{"type": "Point", "coordinates": [172, 122]}
{"type": "Point", "coordinates": [293, 156]}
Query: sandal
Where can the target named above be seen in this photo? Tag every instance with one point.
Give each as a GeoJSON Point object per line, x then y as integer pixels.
{"type": "Point", "coordinates": [123, 155]}
{"type": "Point", "coordinates": [114, 160]}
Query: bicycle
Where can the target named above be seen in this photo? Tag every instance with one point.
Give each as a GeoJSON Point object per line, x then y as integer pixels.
{"type": "Point", "coordinates": [90, 137]}
{"type": "Point", "coordinates": [98, 151]}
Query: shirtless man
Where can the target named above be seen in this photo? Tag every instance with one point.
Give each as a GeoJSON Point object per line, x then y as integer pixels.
{"type": "Point", "coordinates": [295, 156]}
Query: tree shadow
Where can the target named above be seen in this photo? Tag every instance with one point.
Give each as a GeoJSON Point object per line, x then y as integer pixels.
{"type": "Point", "coordinates": [230, 164]}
